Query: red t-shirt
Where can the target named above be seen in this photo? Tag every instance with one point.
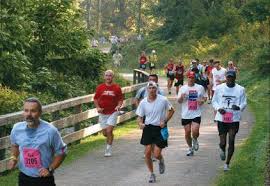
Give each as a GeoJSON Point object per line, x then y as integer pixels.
{"type": "Point", "coordinates": [209, 70]}
{"type": "Point", "coordinates": [170, 66]}
{"type": "Point", "coordinates": [179, 72]}
{"type": "Point", "coordinates": [143, 60]}
{"type": "Point", "coordinates": [108, 97]}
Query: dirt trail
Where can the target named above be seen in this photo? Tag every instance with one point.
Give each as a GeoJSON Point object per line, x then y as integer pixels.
{"type": "Point", "coordinates": [127, 167]}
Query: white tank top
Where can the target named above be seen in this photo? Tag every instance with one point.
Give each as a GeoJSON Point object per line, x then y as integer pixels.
{"type": "Point", "coordinates": [218, 76]}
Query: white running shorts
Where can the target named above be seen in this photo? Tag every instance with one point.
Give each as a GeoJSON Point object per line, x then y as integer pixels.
{"type": "Point", "coordinates": [108, 119]}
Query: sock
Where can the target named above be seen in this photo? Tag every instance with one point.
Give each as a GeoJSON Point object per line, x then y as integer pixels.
{"type": "Point", "coordinates": [108, 146]}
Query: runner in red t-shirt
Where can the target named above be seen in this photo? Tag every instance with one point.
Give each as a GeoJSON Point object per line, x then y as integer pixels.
{"type": "Point", "coordinates": [143, 60]}
{"type": "Point", "coordinates": [170, 70]}
{"type": "Point", "coordinates": [108, 101]}
{"type": "Point", "coordinates": [179, 75]}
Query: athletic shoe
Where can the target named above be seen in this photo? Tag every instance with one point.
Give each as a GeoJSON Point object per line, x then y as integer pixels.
{"type": "Point", "coordinates": [108, 152]}
{"type": "Point", "coordinates": [153, 159]}
{"type": "Point", "coordinates": [190, 152]}
{"type": "Point", "coordinates": [209, 101]}
{"type": "Point", "coordinates": [161, 166]}
{"type": "Point", "coordinates": [226, 167]}
{"type": "Point", "coordinates": [222, 155]}
{"type": "Point", "coordinates": [170, 92]}
{"type": "Point", "coordinates": [152, 178]}
{"type": "Point", "coordinates": [195, 144]}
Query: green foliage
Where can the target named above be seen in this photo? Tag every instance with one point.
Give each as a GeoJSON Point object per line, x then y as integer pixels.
{"type": "Point", "coordinates": [10, 100]}
{"type": "Point", "coordinates": [256, 10]}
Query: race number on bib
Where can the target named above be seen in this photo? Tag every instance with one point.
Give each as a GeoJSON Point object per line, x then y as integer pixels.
{"type": "Point", "coordinates": [192, 105]}
{"type": "Point", "coordinates": [31, 158]}
{"type": "Point", "coordinates": [227, 117]}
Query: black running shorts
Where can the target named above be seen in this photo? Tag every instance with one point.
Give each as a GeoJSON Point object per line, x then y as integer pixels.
{"type": "Point", "coordinates": [188, 121]}
{"type": "Point", "coordinates": [179, 82]}
{"type": "Point", "coordinates": [151, 135]}
{"type": "Point", "coordinates": [223, 128]}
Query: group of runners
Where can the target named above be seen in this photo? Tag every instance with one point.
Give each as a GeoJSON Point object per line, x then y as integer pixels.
{"type": "Point", "coordinates": [38, 149]}
{"type": "Point", "coordinates": [150, 61]}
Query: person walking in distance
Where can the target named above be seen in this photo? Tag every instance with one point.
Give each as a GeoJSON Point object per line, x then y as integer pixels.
{"type": "Point", "coordinates": [157, 111]}
{"type": "Point", "coordinates": [229, 101]}
{"type": "Point", "coordinates": [36, 146]}
{"type": "Point", "coordinates": [179, 75]}
{"type": "Point", "coordinates": [108, 100]}
{"type": "Point", "coordinates": [192, 97]}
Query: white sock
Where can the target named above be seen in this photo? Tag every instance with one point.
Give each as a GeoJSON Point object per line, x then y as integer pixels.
{"type": "Point", "coordinates": [108, 146]}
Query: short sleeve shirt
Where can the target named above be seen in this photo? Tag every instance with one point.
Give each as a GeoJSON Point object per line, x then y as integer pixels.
{"type": "Point", "coordinates": [108, 97]}
{"type": "Point", "coordinates": [190, 106]}
{"type": "Point", "coordinates": [155, 111]}
{"type": "Point", "coordinates": [37, 146]}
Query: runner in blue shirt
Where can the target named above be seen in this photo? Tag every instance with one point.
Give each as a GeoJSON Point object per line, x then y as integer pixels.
{"type": "Point", "coordinates": [36, 146]}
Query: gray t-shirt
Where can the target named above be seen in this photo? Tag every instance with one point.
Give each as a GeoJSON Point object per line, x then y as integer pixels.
{"type": "Point", "coordinates": [155, 111]}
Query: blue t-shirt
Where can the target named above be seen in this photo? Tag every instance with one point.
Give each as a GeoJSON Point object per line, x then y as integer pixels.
{"type": "Point", "coordinates": [37, 146]}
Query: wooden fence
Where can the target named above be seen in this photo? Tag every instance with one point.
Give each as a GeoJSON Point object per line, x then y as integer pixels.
{"type": "Point", "coordinates": [79, 115]}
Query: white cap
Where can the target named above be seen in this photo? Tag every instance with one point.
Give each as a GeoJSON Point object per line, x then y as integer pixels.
{"type": "Point", "coordinates": [153, 51]}
{"type": "Point", "coordinates": [151, 84]}
{"type": "Point", "coordinates": [230, 62]}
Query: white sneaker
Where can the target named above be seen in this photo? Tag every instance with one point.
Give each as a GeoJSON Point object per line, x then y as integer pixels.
{"type": "Point", "coordinates": [108, 152]}
{"type": "Point", "coordinates": [226, 167]}
{"type": "Point", "coordinates": [190, 152]}
{"type": "Point", "coordinates": [195, 144]}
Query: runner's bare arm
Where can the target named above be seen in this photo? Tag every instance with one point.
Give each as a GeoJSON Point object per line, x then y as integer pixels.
{"type": "Point", "coordinates": [169, 114]}
{"type": "Point", "coordinates": [14, 156]}
{"type": "Point", "coordinates": [97, 106]}
{"type": "Point", "coordinates": [140, 122]}
{"type": "Point", "coordinates": [181, 99]}
{"type": "Point", "coordinates": [119, 105]}
{"type": "Point", "coordinates": [57, 161]}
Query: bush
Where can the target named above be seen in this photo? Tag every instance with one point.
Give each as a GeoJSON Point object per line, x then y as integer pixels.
{"type": "Point", "coordinates": [10, 100]}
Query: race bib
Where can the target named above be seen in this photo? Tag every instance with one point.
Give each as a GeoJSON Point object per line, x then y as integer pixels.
{"type": "Point", "coordinates": [192, 105]}
{"type": "Point", "coordinates": [171, 73]}
{"type": "Point", "coordinates": [143, 65]}
{"type": "Point", "coordinates": [227, 117]}
{"type": "Point", "coordinates": [31, 158]}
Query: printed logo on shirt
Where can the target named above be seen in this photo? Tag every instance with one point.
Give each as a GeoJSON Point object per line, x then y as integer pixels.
{"type": "Point", "coordinates": [108, 93]}
{"type": "Point", "coordinates": [228, 101]}
{"type": "Point", "coordinates": [192, 100]}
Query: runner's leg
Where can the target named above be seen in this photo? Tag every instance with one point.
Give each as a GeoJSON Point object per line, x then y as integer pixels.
{"type": "Point", "coordinates": [195, 127]}
{"type": "Point", "coordinates": [109, 132]}
{"type": "Point", "coordinates": [148, 159]}
{"type": "Point", "coordinates": [232, 133]}
{"type": "Point", "coordinates": [188, 134]}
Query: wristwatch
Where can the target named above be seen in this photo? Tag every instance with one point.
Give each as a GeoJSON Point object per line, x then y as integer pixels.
{"type": "Point", "coordinates": [51, 170]}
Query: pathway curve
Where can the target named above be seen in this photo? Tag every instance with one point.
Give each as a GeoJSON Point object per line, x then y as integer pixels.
{"type": "Point", "coordinates": [127, 167]}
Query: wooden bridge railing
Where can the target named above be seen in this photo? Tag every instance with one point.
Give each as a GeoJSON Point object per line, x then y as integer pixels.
{"type": "Point", "coordinates": [139, 76]}
{"type": "Point", "coordinates": [70, 121]}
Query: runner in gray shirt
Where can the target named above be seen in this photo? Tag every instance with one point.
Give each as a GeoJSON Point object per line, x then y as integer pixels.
{"type": "Point", "coordinates": [157, 111]}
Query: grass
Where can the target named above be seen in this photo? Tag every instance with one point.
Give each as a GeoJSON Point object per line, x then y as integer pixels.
{"type": "Point", "coordinates": [249, 165]}
{"type": "Point", "coordinates": [86, 145]}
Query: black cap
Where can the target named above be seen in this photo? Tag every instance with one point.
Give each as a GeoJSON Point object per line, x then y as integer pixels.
{"type": "Point", "coordinates": [231, 73]}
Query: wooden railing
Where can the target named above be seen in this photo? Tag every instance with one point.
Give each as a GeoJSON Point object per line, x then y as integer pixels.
{"type": "Point", "coordinates": [139, 76]}
{"type": "Point", "coordinates": [76, 104]}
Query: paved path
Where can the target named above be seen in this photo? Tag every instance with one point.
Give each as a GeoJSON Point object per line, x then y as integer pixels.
{"type": "Point", "coordinates": [127, 167]}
